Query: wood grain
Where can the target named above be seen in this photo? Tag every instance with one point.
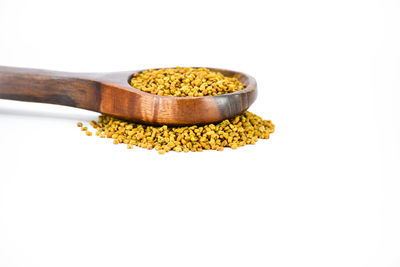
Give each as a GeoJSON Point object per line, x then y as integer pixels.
{"type": "Point", "coordinates": [111, 93]}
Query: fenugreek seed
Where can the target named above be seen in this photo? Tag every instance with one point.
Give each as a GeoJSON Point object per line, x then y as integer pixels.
{"type": "Point", "coordinates": [79, 124]}
{"type": "Point", "coordinates": [241, 130]}
{"type": "Point", "coordinates": [187, 82]}
{"type": "Point", "coordinates": [178, 149]}
{"type": "Point", "coordinates": [129, 146]}
{"type": "Point", "coordinates": [88, 133]}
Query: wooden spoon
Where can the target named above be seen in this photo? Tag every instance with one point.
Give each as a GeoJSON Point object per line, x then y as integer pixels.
{"type": "Point", "coordinates": [111, 93]}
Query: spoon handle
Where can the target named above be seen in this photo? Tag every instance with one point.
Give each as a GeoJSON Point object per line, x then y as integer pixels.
{"type": "Point", "coordinates": [63, 88]}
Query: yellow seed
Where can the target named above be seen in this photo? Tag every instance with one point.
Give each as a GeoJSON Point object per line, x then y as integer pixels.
{"type": "Point", "coordinates": [83, 128]}
{"type": "Point", "coordinates": [186, 82]}
{"type": "Point", "coordinates": [246, 128]}
{"type": "Point", "coordinates": [178, 149]}
{"type": "Point", "coordinates": [88, 133]}
{"type": "Point", "coordinates": [79, 124]}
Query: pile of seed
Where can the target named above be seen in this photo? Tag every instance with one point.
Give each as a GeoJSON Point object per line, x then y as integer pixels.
{"type": "Point", "coordinates": [241, 130]}
{"type": "Point", "coordinates": [185, 82]}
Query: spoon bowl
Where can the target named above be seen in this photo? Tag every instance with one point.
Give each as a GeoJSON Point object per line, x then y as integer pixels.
{"type": "Point", "coordinates": [112, 94]}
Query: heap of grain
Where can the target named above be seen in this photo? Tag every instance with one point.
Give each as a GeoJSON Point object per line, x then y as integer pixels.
{"type": "Point", "coordinates": [241, 130]}
{"type": "Point", "coordinates": [181, 82]}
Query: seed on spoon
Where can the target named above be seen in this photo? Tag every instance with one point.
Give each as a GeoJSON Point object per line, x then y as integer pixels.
{"type": "Point", "coordinates": [185, 82]}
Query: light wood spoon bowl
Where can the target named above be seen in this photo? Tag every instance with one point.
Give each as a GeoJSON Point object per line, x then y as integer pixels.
{"type": "Point", "coordinates": [111, 93]}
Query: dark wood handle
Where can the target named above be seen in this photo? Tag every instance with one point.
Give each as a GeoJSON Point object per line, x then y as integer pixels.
{"type": "Point", "coordinates": [53, 87]}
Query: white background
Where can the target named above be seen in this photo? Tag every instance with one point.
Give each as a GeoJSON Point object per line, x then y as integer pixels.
{"type": "Point", "coordinates": [322, 191]}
